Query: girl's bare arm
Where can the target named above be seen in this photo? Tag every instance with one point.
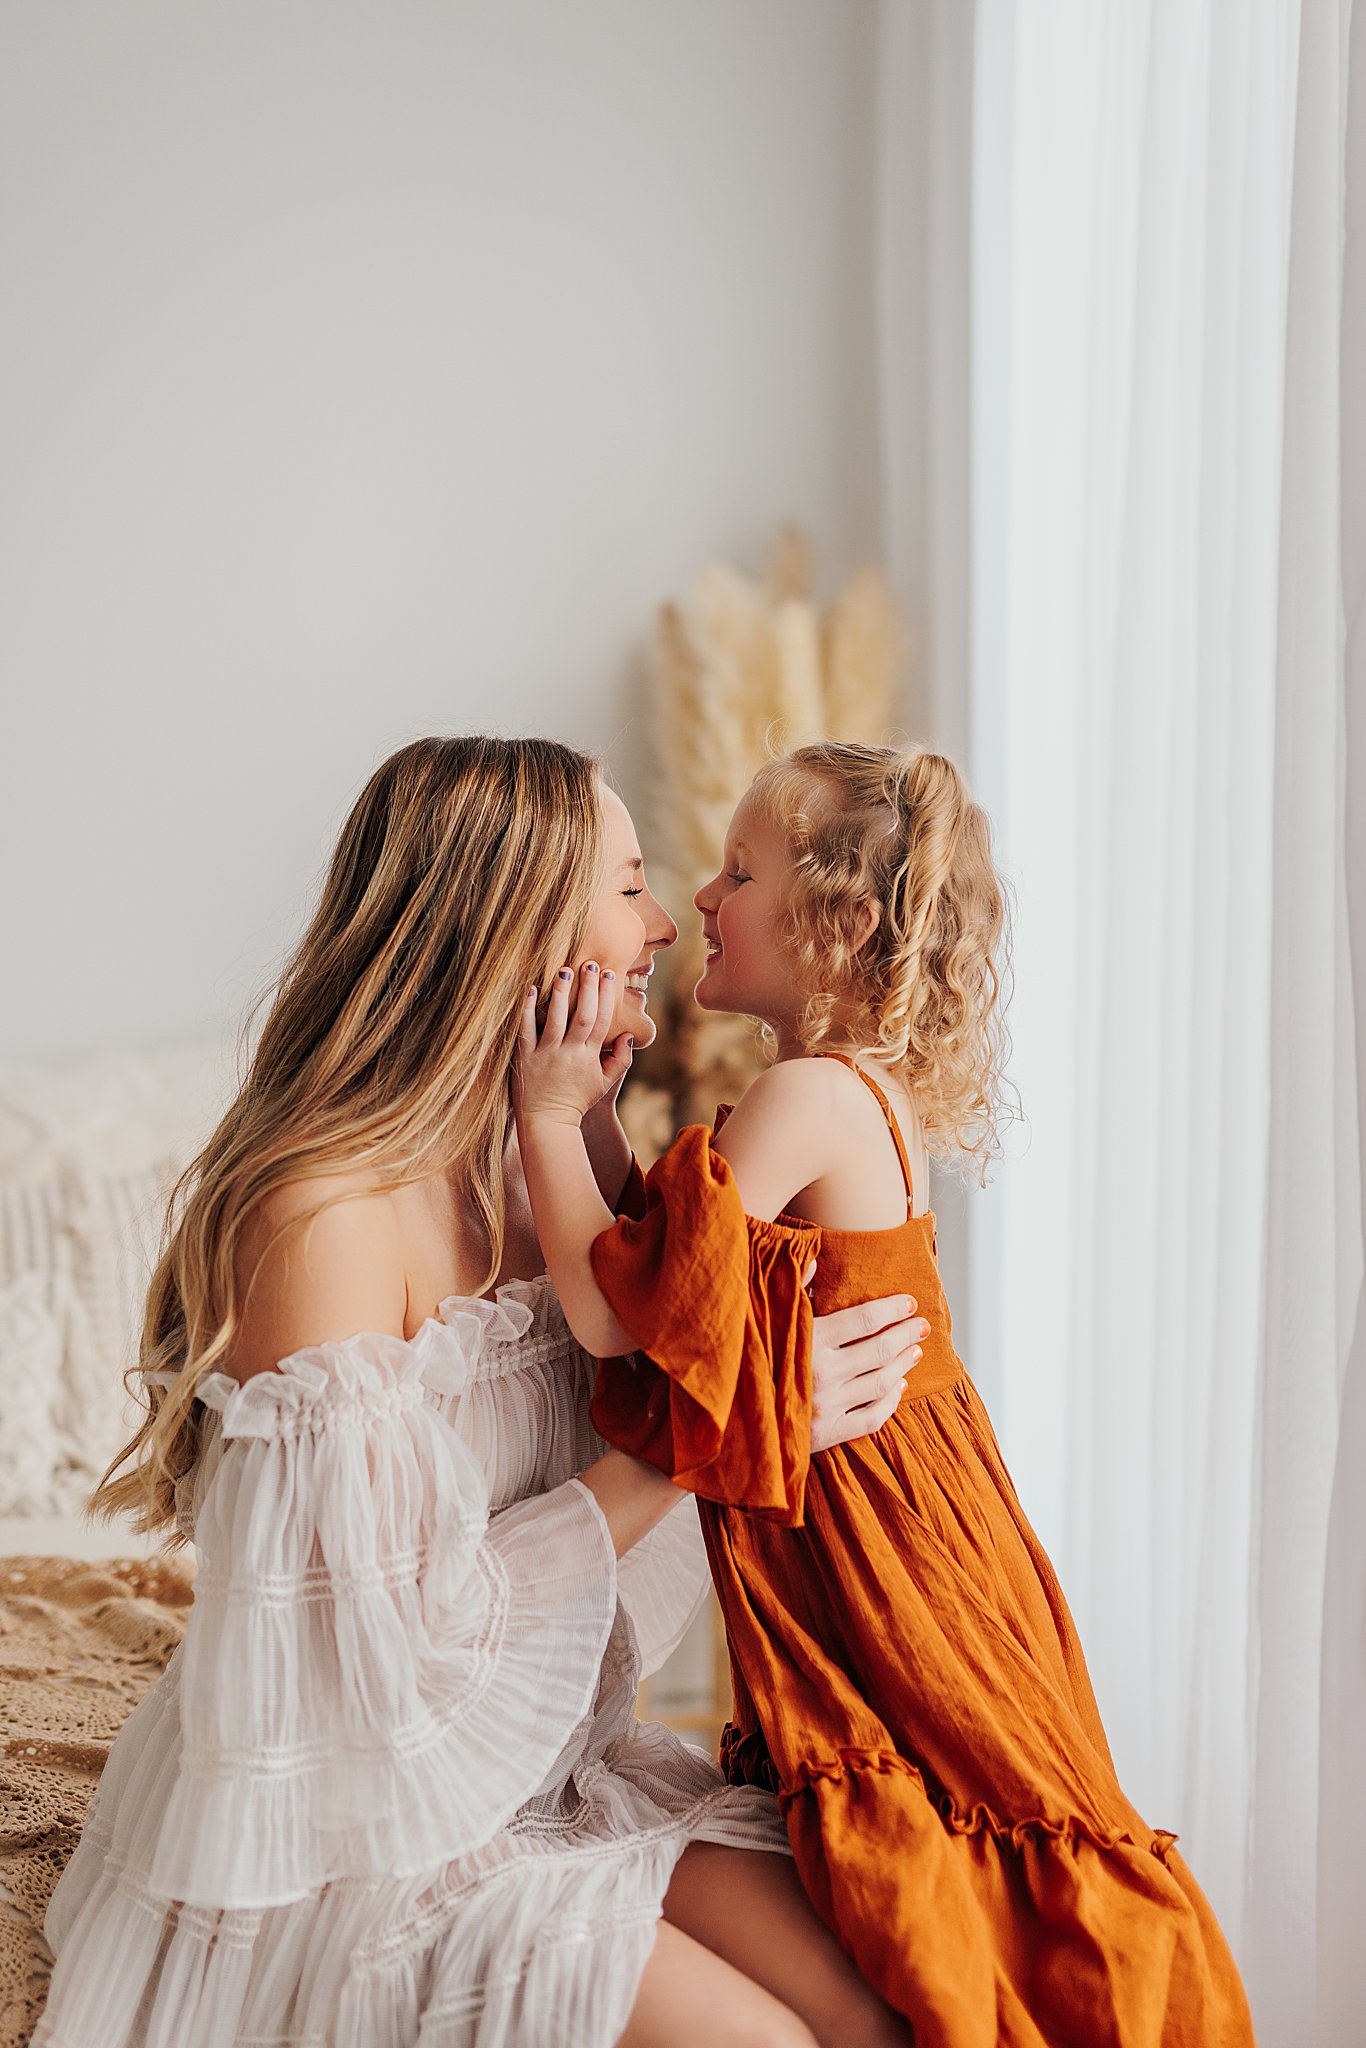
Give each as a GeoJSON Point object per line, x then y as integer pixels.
{"type": "Point", "coordinates": [776, 1143]}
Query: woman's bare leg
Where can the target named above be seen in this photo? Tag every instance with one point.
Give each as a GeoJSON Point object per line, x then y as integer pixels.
{"type": "Point", "coordinates": [747, 1907]}
{"type": "Point", "coordinates": [688, 1996]}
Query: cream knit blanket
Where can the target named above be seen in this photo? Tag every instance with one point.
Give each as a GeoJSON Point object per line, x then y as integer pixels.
{"type": "Point", "coordinates": [79, 1645]}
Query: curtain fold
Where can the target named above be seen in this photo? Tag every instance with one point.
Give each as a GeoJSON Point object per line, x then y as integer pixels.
{"type": "Point", "coordinates": [1342, 1774]}
{"type": "Point", "coordinates": [1168, 1271]}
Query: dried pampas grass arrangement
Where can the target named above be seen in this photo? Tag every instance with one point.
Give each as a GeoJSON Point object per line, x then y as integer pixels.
{"type": "Point", "coordinates": [743, 669]}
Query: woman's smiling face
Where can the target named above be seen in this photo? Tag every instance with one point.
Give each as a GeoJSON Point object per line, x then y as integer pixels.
{"type": "Point", "coordinates": [628, 925]}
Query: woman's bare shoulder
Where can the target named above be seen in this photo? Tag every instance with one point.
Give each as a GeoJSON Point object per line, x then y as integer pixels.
{"type": "Point", "coordinates": [317, 1261]}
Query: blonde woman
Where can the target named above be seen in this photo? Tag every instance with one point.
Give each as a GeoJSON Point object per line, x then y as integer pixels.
{"type": "Point", "coordinates": [392, 1788]}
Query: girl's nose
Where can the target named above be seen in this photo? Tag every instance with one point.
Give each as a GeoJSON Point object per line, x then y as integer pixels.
{"type": "Point", "coordinates": [667, 930]}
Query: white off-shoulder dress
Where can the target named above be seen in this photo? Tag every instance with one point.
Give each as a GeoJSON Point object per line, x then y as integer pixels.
{"type": "Point", "coordinates": [391, 1788]}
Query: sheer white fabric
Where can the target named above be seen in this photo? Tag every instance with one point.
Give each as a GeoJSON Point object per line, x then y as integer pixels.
{"type": "Point", "coordinates": [1165, 435]}
{"type": "Point", "coordinates": [391, 1788]}
{"type": "Point", "coordinates": [1167, 1300]}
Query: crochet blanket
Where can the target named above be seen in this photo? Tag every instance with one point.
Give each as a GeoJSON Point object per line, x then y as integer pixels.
{"type": "Point", "coordinates": [79, 1645]}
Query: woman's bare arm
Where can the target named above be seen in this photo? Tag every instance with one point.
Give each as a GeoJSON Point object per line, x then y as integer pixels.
{"type": "Point", "coordinates": [633, 1496]}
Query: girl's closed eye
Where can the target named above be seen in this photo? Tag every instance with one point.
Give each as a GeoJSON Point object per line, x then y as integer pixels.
{"type": "Point", "coordinates": [737, 877]}
{"type": "Point", "coordinates": [634, 892]}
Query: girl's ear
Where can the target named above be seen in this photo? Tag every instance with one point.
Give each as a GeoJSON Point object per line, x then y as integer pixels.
{"type": "Point", "coordinates": [864, 919]}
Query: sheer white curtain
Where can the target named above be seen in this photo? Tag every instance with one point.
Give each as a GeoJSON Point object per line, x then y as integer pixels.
{"type": "Point", "coordinates": [1167, 1276]}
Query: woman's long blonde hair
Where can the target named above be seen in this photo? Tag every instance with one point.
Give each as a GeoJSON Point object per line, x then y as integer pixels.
{"type": "Point", "coordinates": [465, 872]}
{"type": "Point", "coordinates": [896, 830]}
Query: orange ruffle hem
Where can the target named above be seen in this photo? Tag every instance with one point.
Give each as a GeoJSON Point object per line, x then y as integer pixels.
{"type": "Point", "coordinates": [907, 1677]}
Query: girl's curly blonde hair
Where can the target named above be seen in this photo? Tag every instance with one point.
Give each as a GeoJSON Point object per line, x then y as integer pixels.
{"type": "Point", "coordinates": [896, 831]}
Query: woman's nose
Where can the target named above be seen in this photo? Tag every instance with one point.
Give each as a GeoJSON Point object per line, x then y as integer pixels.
{"type": "Point", "coordinates": [666, 931]}
{"type": "Point", "coordinates": [703, 899]}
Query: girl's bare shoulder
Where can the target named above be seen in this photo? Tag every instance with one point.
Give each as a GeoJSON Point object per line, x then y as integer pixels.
{"type": "Point", "coordinates": [808, 1079]}
{"type": "Point", "coordinates": [783, 1134]}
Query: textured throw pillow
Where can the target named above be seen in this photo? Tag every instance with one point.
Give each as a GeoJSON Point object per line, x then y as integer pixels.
{"type": "Point", "coordinates": [30, 1361]}
{"type": "Point", "coordinates": [113, 1227]}
{"type": "Point", "coordinates": [88, 1154]}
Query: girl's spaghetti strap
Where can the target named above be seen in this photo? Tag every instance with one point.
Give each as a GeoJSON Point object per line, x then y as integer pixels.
{"type": "Point", "coordinates": [890, 1114]}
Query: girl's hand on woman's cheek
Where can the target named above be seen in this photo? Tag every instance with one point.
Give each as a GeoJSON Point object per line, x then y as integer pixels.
{"type": "Point", "coordinates": [564, 1071]}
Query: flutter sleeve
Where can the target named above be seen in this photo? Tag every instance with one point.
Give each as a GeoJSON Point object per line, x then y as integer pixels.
{"type": "Point", "coordinates": [721, 1400]}
{"type": "Point", "coordinates": [377, 1673]}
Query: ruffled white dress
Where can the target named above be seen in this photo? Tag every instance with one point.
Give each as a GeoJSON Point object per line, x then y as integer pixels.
{"type": "Point", "coordinates": [391, 1788]}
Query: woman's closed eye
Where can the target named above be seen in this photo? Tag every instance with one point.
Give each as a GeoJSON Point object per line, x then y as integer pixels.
{"type": "Point", "coordinates": [738, 878]}
{"type": "Point", "coordinates": [634, 892]}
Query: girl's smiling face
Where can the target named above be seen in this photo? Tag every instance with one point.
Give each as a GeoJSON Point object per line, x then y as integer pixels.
{"type": "Point", "coordinates": [628, 925]}
{"type": "Point", "coordinates": [741, 912]}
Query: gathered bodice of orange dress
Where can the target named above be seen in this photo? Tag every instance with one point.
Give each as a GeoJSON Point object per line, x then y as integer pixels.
{"type": "Point", "coordinates": [906, 1674]}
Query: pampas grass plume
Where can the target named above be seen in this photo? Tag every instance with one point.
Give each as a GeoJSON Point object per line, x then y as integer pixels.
{"type": "Point", "coordinates": [742, 669]}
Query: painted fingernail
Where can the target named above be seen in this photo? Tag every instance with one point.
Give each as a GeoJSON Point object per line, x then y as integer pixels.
{"type": "Point", "coordinates": [590, 966]}
{"type": "Point", "coordinates": [608, 975]}
{"type": "Point", "coordinates": [630, 1045]}
{"type": "Point", "coordinates": [565, 974]}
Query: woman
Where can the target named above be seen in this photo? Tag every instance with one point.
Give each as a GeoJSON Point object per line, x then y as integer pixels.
{"type": "Point", "coordinates": [392, 1789]}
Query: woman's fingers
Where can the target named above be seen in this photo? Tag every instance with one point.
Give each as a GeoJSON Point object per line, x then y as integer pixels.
{"type": "Point", "coordinates": [850, 1326]}
{"type": "Point", "coordinates": [863, 1421]}
{"type": "Point", "coordinates": [883, 1392]}
{"type": "Point", "coordinates": [860, 1359]}
{"type": "Point", "coordinates": [894, 1350]}
{"type": "Point", "coordinates": [872, 1388]}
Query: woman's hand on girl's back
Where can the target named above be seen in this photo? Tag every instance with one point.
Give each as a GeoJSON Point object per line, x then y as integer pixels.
{"type": "Point", "coordinates": [860, 1359]}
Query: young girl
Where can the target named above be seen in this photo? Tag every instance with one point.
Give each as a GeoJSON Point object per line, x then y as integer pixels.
{"type": "Point", "coordinates": [906, 1673]}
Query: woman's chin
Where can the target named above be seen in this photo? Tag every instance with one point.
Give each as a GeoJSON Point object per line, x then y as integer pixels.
{"type": "Point", "coordinates": [635, 1019]}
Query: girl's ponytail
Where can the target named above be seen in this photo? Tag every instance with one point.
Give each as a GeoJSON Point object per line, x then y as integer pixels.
{"type": "Point", "coordinates": [897, 830]}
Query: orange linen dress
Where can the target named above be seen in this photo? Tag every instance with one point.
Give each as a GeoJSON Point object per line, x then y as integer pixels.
{"type": "Point", "coordinates": [907, 1677]}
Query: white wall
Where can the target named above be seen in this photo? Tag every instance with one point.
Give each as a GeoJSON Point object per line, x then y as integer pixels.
{"type": "Point", "coordinates": [375, 369]}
